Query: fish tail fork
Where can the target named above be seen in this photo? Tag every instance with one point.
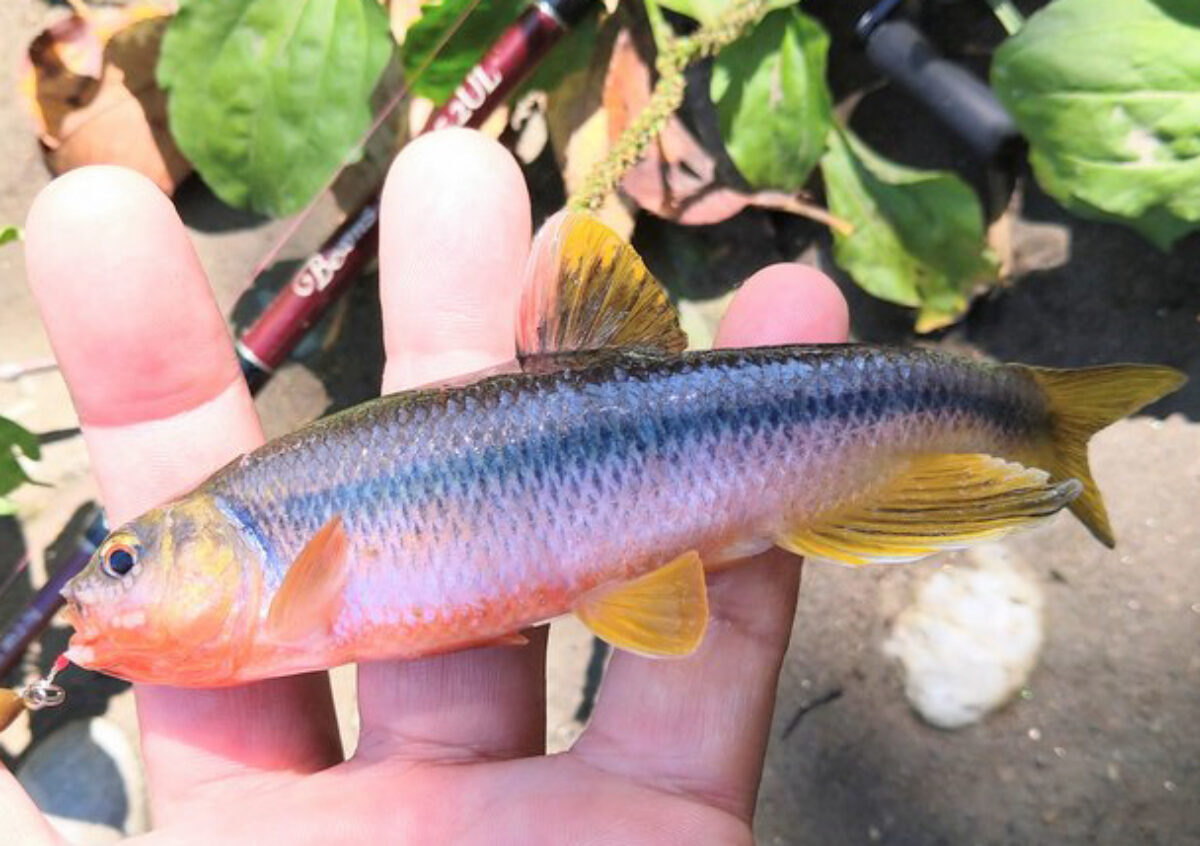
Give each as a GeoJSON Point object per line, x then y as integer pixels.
{"type": "Point", "coordinates": [1081, 402]}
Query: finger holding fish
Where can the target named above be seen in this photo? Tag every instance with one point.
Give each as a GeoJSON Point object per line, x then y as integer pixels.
{"type": "Point", "coordinates": [162, 404]}
{"type": "Point", "coordinates": [455, 515]}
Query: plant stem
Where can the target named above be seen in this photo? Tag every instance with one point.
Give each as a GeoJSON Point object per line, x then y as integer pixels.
{"type": "Point", "coordinates": [666, 98]}
{"type": "Point", "coordinates": [659, 28]}
{"type": "Point", "coordinates": [1009, 15]}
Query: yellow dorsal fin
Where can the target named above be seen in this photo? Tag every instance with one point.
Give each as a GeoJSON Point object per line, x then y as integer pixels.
{"type": "Point", "coordinates": [662, 613]}
{"type": "Point", "coordinates": [937, 502]}
{"type": "Point", "coordinates": [1081, 402]}
{"type": "Point", "coordinates": [586, 289]}
{"type": "Point", "coordinates": [310, 597]}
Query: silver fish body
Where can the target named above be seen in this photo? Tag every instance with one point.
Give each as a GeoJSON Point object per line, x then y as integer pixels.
{"type": "Point", "coordinates": [477, 510]}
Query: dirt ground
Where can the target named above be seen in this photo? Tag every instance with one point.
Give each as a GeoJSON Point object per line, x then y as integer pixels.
{"type": "Point", "coordinates": [1103, 745]}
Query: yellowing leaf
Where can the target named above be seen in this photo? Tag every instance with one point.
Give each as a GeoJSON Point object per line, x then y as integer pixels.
{"type": "Point", "coordinates": [918, 237]}
{"type": "Point", "coordinates": [579, 122]}
{"type": "Point", "coordinates": [1108, 94]}
{"type": "Point", "coordinates": [88, 83]}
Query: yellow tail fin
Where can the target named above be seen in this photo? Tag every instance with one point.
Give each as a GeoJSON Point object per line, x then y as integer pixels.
{"type": "Point", "coordinates": [1081, 403]}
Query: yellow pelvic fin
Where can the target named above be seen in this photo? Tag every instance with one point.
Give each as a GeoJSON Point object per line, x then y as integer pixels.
{"type": "Point", "coordinates": [586, 289]}
{"type": "Point", "coordinates": [939, 501]}
{"type": "Point", "coordinates": [1082, 402]}
{"type": "Point", "coordinates": [660, 614]}
{"type": "Point", "coordinates": [310, 597]}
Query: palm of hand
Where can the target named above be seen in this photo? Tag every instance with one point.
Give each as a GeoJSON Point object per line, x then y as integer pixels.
{"type": "Point", "coordinates": [451, 747]}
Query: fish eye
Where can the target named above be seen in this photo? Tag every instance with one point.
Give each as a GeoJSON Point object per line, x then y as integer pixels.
{"type": "Point", "coordinates": [119, 559]}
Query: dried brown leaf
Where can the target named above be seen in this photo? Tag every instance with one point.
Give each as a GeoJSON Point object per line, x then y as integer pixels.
{"type": "Point", "coordinates": [578, 124]}
{"type": "Point", "coordinates": [677, 179]}
{"type": "Point", "coordinates": [88, 84]}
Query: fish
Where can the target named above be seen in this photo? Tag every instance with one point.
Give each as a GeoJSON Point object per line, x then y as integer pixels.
{"type": "Point", "coordinates": [602, 473]}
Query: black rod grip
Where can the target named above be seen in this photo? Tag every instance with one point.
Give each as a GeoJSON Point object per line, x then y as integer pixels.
{"type": "Point", "coordinates": [957, 98]}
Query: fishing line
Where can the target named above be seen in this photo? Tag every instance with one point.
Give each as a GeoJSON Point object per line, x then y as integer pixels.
{"type": "Point", "coordinates": [21, 565]}
{"type": "Point", "coordinates": [390, 106]}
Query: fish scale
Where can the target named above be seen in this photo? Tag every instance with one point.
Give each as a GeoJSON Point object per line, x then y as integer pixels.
{"type": "Point", "coordinates": [614, 466]}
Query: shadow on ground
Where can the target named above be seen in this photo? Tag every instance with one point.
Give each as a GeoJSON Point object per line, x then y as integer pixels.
{"type": "Point", "coordinates": [1118, 298]}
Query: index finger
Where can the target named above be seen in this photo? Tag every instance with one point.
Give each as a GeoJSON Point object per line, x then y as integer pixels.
{"type": "Point", "coordinates": [162, 404]}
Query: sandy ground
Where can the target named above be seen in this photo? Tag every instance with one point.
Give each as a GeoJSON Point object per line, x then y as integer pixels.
{"type": "Point", "coordinates": [1103, 745]}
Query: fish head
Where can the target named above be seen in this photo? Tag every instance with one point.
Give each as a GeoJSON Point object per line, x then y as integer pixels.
{"type": "Point", "coordinates": [181, 580]}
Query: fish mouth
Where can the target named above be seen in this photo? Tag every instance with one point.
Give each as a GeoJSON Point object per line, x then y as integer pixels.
{"type": "Point", "coordinates": [79, 648]}
{"type": "Point", "coordinates": [72, 613]}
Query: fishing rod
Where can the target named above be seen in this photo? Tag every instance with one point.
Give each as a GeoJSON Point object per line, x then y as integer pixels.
{"type": "Point", "coordinates": [329, 272]}
{"type": "Point", "coordinates": [326, 275]}
{"type": "Point", "coordinates": [958, 99]}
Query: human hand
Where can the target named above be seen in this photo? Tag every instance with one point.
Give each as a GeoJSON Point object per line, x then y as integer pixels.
{"type": "Point", "coordinates": [451, 748]}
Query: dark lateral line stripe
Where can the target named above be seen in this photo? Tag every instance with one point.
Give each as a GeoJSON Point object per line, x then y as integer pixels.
{"type": "Point", "coordinates": [600, 440]}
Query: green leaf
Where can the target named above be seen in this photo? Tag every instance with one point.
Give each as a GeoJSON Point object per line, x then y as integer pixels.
{"type": "Point", "coordinates": [772, 101]}
{"type": "Point", "coordinates": [918, 236]}
{"type": "Point", "coordinates": [267, 97]}
{"type": "Point", "coordinates": [571, 55]}
{"type": "Point", "coordinates": [464, 48]}
{"type": "Point", "coordinates": [1108, 94]}
{"type": "Point", "coordinates": [14, 439]}
{"type": "Point", "coordinates": [8, 234]}
{"type": "Point", "coordinates": [708, 12]}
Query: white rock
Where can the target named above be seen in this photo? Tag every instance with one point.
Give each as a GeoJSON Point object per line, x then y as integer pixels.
{"type": "Point", "coordinates": [970, 639]}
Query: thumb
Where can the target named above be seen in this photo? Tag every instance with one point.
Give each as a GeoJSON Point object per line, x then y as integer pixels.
{"type": "Point", "coordinates": [23, 822]}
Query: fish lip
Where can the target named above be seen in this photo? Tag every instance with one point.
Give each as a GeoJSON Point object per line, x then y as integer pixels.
{"type": "Point", "coordinates": [73, 616]}
{"type": "Point", "coordinates": [67, 592]}
{"type": "Point", "coordinates": [80, 649]}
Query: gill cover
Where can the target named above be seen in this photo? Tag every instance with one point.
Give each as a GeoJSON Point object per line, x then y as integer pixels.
{"type": "Point", "coordinates": [192, 591]}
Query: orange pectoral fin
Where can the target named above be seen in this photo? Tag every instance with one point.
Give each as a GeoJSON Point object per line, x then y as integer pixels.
{"type": "Point", "coordinates": [663, 613]}
{"type": "Point", "coordinates": [310, 597]}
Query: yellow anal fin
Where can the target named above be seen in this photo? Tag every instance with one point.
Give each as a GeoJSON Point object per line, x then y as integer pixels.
{"type": "Point", "coordinates": [937, 502]}
{"type": "Point", "coordinates": [310, 597]}
{"type": "Point", "coordinates": [663, 613]}
{"type": "Point", "coordinates": [1080, 403]}
{"type": "Point", "coordinates": [586, 289]}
